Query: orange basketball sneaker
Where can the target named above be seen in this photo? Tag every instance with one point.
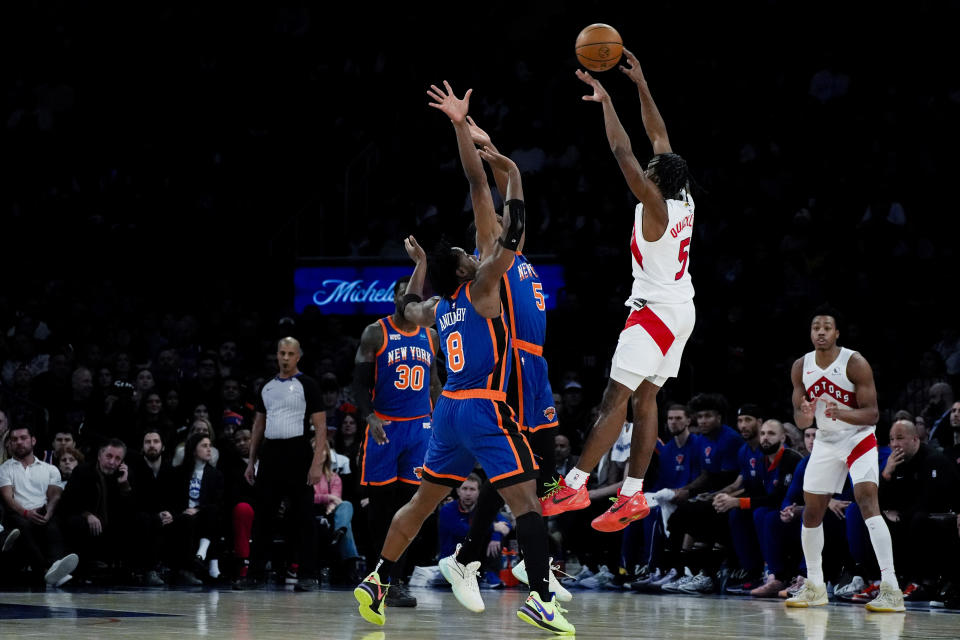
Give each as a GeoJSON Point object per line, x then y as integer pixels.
{"type": "Point", "coordinates": [560, 498]}
{"type": "Point", "coordinates": [623, 511]}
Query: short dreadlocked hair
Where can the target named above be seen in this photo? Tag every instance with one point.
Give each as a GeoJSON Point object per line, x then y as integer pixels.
{"type": "Point", "coordinates": [442, 265]}
{"type": "Point", "coordinates": [671, 174]}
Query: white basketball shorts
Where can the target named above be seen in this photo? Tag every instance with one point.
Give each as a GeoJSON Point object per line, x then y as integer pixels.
{"type": "Point", "coordinates": [837, 453]}
{"type": "Point", "coordinates": [652, 343]}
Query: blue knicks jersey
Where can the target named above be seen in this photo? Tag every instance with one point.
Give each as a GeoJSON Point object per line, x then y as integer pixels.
{"type": "Point", "coordinates": [525, 305]}
{"type": "Point", "coordinates": [402, 387]}
{"type": "Point", "coordinates": [475, 347]}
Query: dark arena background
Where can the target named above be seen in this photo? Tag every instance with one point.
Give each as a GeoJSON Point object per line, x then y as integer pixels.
{"type": "Point", "coordinates": [180, 177]}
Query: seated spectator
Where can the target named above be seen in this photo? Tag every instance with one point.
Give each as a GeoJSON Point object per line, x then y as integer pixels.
{"type": "Point", "coordinates": [917, 483]}
{"type": "Point", "coordinates": [197, 507]}
{"type": "Point", "coordinates": [62, 438]}
{"type": "Point", "coordinates": [679, 465]}
{"type": "Point", "coordinates": [946, 433]}
{"type": "Point", "coordinates": [154, 482]}
{"type": "Point", "coordinates": [330, 505]}
{"type": "Point", "coordinates": [239, 497]}
{"type": "Point", "coordinates": [198, 426]}
{"type": "Point", "coordinates": [31, 492]}
{"type": "Point", "coordinates": [563, 458]}
{"type": "Point", "coordinates": [717, 449]}
{"type": "Point", "coordinates": [98, 513]}
{"type": "Point", "coordinates": [152, 417]}
{"type": "Point", "coordinates": [759, 504]}
{"type": "Point", "coordinates": [4, 433]}
{"type": "Point", "coordinates": [453, 525]}
{"type": "Point", "coordinates": [66, 461]}
{"type": "Point", "coordinates": [596, 551]}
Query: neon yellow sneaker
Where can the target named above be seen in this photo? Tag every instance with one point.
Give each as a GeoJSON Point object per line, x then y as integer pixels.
{"type": "Point", "coordinates": [370, 594]}
{"type": "Point", "coordinates": [546, 615]}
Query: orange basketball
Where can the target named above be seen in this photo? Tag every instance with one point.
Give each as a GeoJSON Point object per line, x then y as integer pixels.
{"type": "Point", "coordinates": [599, 47]}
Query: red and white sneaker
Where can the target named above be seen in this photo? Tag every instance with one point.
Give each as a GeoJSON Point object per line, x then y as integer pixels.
{"type": "Point", "coordinates": [868, 594]}
{"type": "Point", "coordinates": [623, 511]}
{"type": "Point", "coordinates": [560, 498]}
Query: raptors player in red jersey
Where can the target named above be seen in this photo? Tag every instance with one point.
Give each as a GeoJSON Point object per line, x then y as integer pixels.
{"type": "Point", "coordinates": [834, 386]}
{"type": "Point", "coordinates": [661, 307]}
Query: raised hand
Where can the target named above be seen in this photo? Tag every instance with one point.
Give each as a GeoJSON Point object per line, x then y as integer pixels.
{"type": "Point", "coordinates": [480, 137]}
{"type": "Point", "coordinates": [496, 160]}
{"type": "Point", "coordinates": [634, 72]}
{"type": "Point", "coordinates": [455, 108]}
{"type": "Point", "coordinates": [599, 93]}
{"type": "Point", "coordinates": [414, 250]}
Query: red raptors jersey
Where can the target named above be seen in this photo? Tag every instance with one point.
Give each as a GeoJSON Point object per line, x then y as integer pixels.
{"type": "Point", "coordinates": [830, 383]}
{"type": "Point", "coordinates": [661, 269]}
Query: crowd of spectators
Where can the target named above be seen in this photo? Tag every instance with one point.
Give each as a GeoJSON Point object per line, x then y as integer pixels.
{"type": "Point", "coordinates": [165, 198]}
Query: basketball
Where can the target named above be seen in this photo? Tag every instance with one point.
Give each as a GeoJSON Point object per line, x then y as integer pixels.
{"type": "Point", "coordinates": [599, 47]}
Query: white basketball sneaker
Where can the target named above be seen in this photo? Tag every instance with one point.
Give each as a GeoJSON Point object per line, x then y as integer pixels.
{"type": "Point", "coordinates": [463, 579]}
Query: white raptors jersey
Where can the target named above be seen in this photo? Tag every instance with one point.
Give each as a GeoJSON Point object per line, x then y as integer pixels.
{"type": "Point", "coordinates": [831, 383]}
{"type": "Point", "coordinates": [661, 269]}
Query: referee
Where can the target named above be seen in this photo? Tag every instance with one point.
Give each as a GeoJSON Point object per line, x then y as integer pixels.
{"type": "Point", "coordinates": [288, 466]}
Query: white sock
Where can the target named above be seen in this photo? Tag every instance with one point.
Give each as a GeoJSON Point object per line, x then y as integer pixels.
{"type": "Point", "coordinates": [202, 549]}
{"type": "Point", "coordinates": [631, 486]}
{"type": "Point", "coordinates": [576, 478]}
{"type": "Point", "coordinates": [812, 541]}
{"type": "Point", "coordinates": [214, 569]}
{"type": "Point", "coordinates": [883, 547]}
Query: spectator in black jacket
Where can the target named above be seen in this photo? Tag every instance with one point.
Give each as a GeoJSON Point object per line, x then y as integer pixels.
{"type": "Point", "coordinates": [98, 511]}
{"type": "Point", "coordinates": [918, 489]}
{"type": "Point", "coordinates": [154, 482]}
{"type": "Point", "coordinates": [198, 507]}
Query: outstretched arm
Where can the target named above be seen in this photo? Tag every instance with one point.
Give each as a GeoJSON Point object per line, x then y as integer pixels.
{"type": "Point", "coordinates": [419, 257]}
{"type": "Point", "coordinates": [652, 120]}
{"type": "Point", "coordinates": [456, 109]}
{"type": "Point", "coordinates": [642, 187]}
{"type": "Point", "coordinates": [419, 312]}
{"type": "Point", "coordinates": [488, 227]}
{"type": "Point", "coordinates": [486, 286]}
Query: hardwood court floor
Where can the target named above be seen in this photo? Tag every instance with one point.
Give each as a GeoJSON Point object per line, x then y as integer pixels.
{"type": "Point", "coordinates": [332, 614]}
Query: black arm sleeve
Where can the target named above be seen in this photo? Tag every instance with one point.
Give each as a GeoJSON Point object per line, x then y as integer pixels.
{"type": "Point", "coordinates": [518, 219]}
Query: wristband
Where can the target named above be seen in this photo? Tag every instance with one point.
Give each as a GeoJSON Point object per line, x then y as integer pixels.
{"type": "Point", "coordinates": [25, 511]}
{"type": "Point", "coordinates": [744, 503]}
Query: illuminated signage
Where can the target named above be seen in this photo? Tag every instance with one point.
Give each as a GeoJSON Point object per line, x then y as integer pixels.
{"type": "Point", "coordinates": [368, 289]}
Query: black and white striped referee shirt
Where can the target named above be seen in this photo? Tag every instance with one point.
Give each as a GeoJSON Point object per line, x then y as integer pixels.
{"type": "Point", "coordinates": [288, 404]}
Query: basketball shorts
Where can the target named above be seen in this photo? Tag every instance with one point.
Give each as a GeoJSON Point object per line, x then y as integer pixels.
{"type": "Point", "coordinates": [397, 459]}
{"type": "Point", "coordinates": [837, 453]}
{"type": "Point", "coordinates": [537, 410]}
{"type": "Point", "coordinates": [652, 343]}
{"type": "Point", "coordinates": [467, 430]}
